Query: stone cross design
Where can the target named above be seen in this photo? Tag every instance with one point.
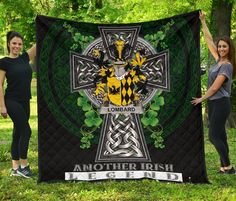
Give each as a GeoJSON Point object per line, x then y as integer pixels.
{"type": "Point", "coordinates": [122, 137]}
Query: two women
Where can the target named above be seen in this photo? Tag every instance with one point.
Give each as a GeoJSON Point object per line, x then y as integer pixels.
{"type": "Point", "coordinates": [15, 103]}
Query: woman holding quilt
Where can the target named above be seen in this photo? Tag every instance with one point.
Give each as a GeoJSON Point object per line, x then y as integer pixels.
{"type": "Point", "coordinates": [218, 93]}
{"type": "Point", "coordinates": [15, 102]}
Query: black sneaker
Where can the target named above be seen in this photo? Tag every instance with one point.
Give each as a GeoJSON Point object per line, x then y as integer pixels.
{"type": "Point", "coordinates": [221, 172]}
{"type": "Point", "coordinates": [230, 171]}
{"type": "Point", "coordinates": [14, 173]}
{"type": "Point", "coordinates": [25, 172]}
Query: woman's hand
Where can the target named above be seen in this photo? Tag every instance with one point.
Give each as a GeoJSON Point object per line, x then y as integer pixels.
{"type": "Point", "coordinates": [3, 111]}
{"type": "Point", "coordinates": [196, 101]}
{"type": "Point", "coordinates": [202, 16]}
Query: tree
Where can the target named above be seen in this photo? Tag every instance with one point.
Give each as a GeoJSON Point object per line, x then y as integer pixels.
{"type": "Point", "coordinates": [98, 4]}
{"type": "Point", "coordinates": [221, 13]}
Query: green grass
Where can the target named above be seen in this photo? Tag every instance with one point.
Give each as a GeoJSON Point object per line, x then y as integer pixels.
{"type": "Point", "coordinates": [222, 187]}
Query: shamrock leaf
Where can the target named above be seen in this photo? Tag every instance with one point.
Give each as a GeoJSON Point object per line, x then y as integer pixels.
{"type": "Point", "coordinates": [150, 118]}
{"type": "Point", "coordinates": [83, 102]}
{"type": "Point", "coordinates": [158, 101]}
{"type": "Point", "coordinates": [155, 106]}
{"type": "Point", "coordinates": [158, 139]}
{"type": "Point", "coordinates": [92, 119]}
{"type": "Point", "coordinates": [81, 93]}
{"type": "Point", "coordinates": [158, 93]}
{"type": "Point", "coordinates": [86, 140]}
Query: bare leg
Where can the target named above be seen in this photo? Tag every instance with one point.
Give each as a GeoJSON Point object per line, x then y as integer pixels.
{"type": "Point", "coordinates": [24, 162]}
{"type": "Point", "coordinates": [15, 164]}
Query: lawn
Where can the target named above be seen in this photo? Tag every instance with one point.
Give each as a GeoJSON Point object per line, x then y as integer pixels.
{"type": "Point", "coordinates": [222, 187]}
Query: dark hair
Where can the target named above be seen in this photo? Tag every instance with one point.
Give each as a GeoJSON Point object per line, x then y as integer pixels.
{"type": "Point", "coordinates": [231, 55]}
{"type": "Point", "coordinates": [10, 35]}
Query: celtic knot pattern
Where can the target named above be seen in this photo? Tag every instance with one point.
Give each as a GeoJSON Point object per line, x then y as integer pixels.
{"type": "Point", "coordinates": [85, 72]}
{"type": "Point", "coordinates": [155, 71]}
{"type": "Point", "coordinates": [122, 138]}
{"type": "Point", "coordinates": [143, 45]}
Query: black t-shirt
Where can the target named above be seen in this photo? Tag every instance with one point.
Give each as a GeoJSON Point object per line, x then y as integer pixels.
{"type": "Point", "coordinates": [18, 76]}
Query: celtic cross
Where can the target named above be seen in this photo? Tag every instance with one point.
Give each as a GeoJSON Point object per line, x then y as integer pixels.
{"type": "Point", "coordinates": [114, 88]}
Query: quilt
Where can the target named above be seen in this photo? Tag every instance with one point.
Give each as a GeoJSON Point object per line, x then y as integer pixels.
{"type": "Point", "coordinates": [114, 100]}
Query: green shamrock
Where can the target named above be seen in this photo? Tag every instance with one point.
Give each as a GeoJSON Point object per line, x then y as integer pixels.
{"type": "Point", "coordinates": [158, 101]}
{"type": "Point", "coordinates": [150, 118]}
{"type": "Point", "coordinates": [83, 102]}
{"type": "Point", "coordinates": [86, 140]}
{"type": "Point", "coordinates": [92, 119]}
{"type": "Point", "coordinates": [158, 139]}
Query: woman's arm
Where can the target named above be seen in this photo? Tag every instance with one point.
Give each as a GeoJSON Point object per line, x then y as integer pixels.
{"type": "Point", "coordinates": [212, 90]}
{"type": "Point", "coordinates": [3, 109]}
{"type": "Point", "coordinates": [208, 37]}
{"type": "Point", "coordinates": [32, 52]}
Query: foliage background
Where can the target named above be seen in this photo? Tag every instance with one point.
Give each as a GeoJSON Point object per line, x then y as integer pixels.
{"type": "Point", "coordinates": [20, 14]}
